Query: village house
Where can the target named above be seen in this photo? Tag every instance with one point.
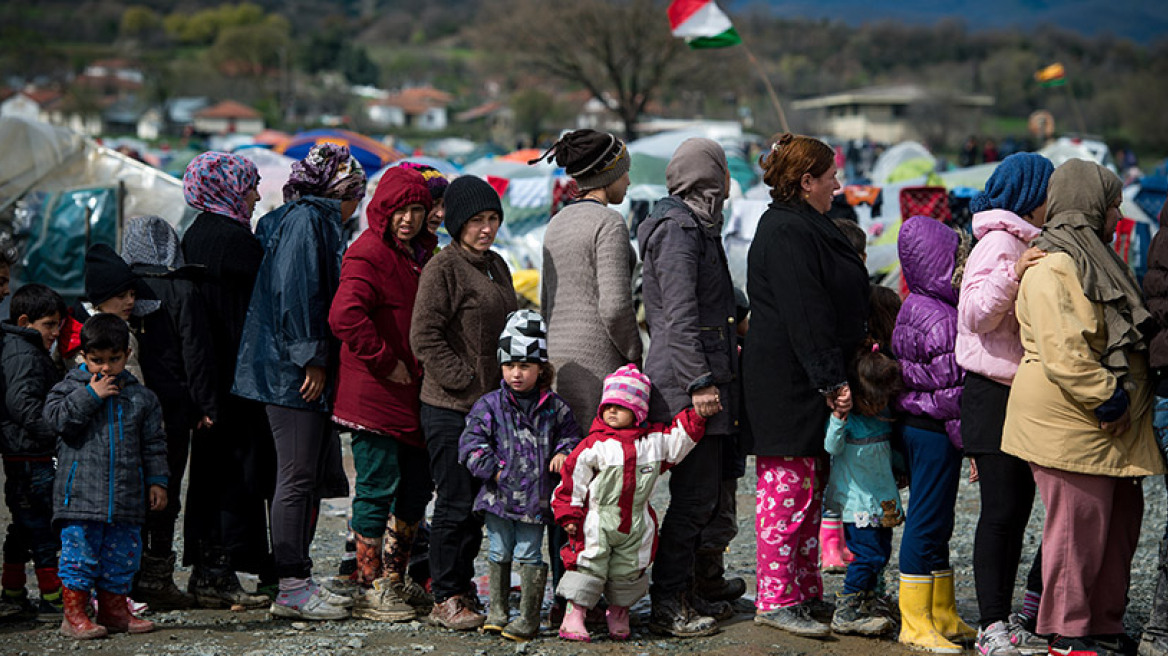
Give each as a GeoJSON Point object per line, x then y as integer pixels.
{"type": "Point", "coordinates": [423, 108]}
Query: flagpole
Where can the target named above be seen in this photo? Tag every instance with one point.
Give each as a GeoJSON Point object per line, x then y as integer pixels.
{"type": "Point", "coordinates": [1075, 109]}
{"type": "Point", "coordinates": [766, 82]}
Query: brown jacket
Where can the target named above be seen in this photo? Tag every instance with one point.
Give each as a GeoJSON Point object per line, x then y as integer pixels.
{"type": "Point", "coordinates": [462, 304]}
{"type": "Point", "coordinates": [1050, 418]}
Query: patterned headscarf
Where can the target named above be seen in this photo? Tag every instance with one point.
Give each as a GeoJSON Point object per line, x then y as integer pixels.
{"type": "Point", "coordinates": [151, 240]}
{"type": "Point", "coordinates": [328, 171]}
{"type": "Point", "coordinates": [219, 183]}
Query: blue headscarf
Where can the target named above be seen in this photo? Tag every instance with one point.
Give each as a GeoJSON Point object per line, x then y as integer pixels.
{"type": "Point", "coordinates": [1017, 185]}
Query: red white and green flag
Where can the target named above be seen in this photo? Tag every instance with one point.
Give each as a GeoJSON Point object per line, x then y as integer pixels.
{"type": "Point", "coordinates": [702, 24]}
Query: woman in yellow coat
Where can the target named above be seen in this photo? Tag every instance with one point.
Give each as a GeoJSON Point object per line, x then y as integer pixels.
{"type": "Point", "coordinates": [1080, 409]}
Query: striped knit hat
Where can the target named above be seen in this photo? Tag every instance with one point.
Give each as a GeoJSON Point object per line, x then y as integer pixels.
{"type": "Point", "coordinates": [628, 388]}
{"type": "Point", "coordinates": [524, 338]}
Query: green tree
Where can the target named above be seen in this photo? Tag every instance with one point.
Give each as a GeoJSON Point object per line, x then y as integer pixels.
{"type": "Point", "coordinates": [249, 50]}
{"type": "Point", "coordinates": [533, 110]}
{"type": "Point", "coordinates": [621, 51]}
{"type": "Point", "coordinates": [138, 21]}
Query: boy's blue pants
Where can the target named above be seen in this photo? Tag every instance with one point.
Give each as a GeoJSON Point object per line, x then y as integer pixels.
{"type": "Point", "coordinates": [100, 555]}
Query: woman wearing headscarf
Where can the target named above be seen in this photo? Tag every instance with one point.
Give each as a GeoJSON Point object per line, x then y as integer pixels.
{"type": "Point", "coordinates": [437, 184]}
{"type": "Point", "coordinates": [1008, 215]}
{"type": "Point", "coordinates": [692, 361]}
{"type": "Point", "coordinates": [1080, 410]}
{"type": "Point", "coordinates": [464, 297]}
{"type": "Point", "coordinates": [1154, 641]}
{"type": "Point", "coordinates": [808, 294]}
{"type": "Point", "coordinates": [587, 291]}
{"type": "Point", "coordinates": [177, 359]}
{"type": "Point", "coordinates": [232, 462]}
{"type": "Point", "coordinates": [377, 393]}
{"type": "Point", "coordinates": [288, 361]}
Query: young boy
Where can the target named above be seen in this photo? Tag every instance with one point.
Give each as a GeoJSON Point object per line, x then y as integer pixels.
{"type": "Point", "coordinates": [28, 445]}
{"type": "Point", "coordinates": [603, 502]}
{"type": "Point", "coordinates": [516, 438]}
{"type": "Point", "coordinates": [112, 459]}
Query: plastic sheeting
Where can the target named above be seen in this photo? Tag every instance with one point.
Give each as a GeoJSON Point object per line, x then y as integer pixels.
{"type": "Point", "coordinates": [63, 193]}
{"type": "Point", "coordinates": [892, 159]}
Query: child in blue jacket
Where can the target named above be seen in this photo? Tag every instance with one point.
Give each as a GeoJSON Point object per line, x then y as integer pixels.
{"type": "Point", "coordinates": [111, 455]}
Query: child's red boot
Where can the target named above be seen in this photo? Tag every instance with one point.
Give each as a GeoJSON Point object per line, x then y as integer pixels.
{"type": "Point", "coordinates": [76, 623]}
{"type": "Point", "coordinates": [114, 614]}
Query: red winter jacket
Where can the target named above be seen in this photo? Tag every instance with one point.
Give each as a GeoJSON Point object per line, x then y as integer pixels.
{"type": "Point", "coordinates": [371, 315]}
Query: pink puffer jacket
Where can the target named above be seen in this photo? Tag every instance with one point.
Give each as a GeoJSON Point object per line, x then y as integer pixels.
{"type": "Point", "coordinates": [987, 330]}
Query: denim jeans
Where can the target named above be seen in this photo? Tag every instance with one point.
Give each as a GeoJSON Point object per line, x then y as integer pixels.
{"type": "Point", "coordinates": [514, 540]}
{"type": "Point", "coordinates": [28, 492]}
{"type": "Point", "coordinates": [872, 548]}
{"type": "Point", "coordinates": [934, 474]}
{"type": "Point", "coordinates": [1160, 425]}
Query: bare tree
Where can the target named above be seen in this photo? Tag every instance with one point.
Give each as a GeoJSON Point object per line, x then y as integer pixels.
{"type": "Point", "coordinates": [621, 51]}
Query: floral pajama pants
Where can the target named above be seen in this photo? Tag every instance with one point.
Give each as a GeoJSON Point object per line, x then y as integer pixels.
{"type": "Point", "coordinates": [788, 499]}
{"type": "Point", "coordinates": [100, 555]}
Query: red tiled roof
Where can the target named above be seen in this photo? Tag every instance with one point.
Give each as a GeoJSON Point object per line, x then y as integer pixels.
{"type": "Point", "coordinates": [416, 100]}
{"type": "Point", "coordinates": [228, 109]}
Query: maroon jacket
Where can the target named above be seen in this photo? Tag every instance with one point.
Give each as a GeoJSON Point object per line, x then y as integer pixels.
{"type": "Point", "coordinates": [371, 314]}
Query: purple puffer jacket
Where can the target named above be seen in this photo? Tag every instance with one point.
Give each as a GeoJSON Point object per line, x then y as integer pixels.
{"type": "Point", "coordinates": [926, 328]}
{"type": "Point", "coordinates": [500, 438]}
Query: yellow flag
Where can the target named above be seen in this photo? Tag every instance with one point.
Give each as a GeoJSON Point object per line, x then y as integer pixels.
{"type": "Point", "coordinates": [1051, 73]}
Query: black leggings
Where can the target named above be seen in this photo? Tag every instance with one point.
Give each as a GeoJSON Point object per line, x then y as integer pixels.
{"type": "Point", "coordinates": [1007, 494]}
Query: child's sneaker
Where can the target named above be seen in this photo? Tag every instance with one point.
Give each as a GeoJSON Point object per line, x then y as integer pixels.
{"type": "Point", "coordinates": [854, 616]}
{"type": "Point", "coordinates": [994, 640]}
{"type": "Point", "coordinates": [1024, 638]}
{"type": "Point", "coordinates": [1062, 646]}
{"type": "Point", "coordinates": [305, 604]}
{"type": "Point", "coordinates": [51, 607]}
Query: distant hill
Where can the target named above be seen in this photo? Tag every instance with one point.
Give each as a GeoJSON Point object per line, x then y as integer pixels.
{"type": "Point", "coordinates": [1143, 21]}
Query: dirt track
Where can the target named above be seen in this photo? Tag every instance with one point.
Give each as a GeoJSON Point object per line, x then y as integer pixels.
{"type": "Point", "coordinates": [253, 633]}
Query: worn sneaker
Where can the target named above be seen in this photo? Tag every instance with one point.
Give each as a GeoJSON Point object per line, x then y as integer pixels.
{"type": "Point", "coordinates": [1062, 646]}
{"type": "Point", "coordinates": [306, 604]}
{"type": "Point", "coordinates": [854, 616]}
{"type": "Point", "coordinates": [796, 620]}
{"type": "Point", "coordinates": [331, 598]}
{"type": "Point", "coordinates": [994, 640]}
{"type": "Point", "coordinates": [1023, 638]}
{"type": "Point", "coordinates": [50, 607]}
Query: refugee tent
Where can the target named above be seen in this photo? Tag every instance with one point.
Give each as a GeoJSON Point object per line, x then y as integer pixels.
{"type": "Point", "coordinates": [907, 159]}
{"type": "Point", "coordinates": [62, 193]}
{"type": "Point", "coordinates": [372, 154]}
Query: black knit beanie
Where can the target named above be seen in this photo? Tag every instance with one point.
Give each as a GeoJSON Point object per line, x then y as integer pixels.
{"type": "Point", "coordinates": [465, 197]}
{"type": "Point", "coordinates": [106, 274]}
{"type": "Point", "coordinates": [594, 159]}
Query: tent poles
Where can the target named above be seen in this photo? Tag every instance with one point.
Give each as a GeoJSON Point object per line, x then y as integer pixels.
{"type": "Point", "coordinates": [767, 83]}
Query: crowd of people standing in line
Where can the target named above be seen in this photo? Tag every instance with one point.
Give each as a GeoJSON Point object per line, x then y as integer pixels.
{"type": "Point", "coordinates": [247, 351]}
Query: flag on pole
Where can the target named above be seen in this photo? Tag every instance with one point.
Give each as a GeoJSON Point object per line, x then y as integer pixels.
{"type": "Point", "coordinates": [702, 24]}
{"type": "Point", "coordinates": [1052, 76]}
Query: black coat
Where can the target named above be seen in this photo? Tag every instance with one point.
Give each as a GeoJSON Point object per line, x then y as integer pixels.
{"type": "Point", "coordinates": [690, 308]}
{"type": "Point", "coordinates": [231, 257]}
{"type": "Point", "coordinates": [177, 358]}
{"type": "Point", "coordinates": [28, 375]}
{"type": "Point", "coordinates": [808, 293]}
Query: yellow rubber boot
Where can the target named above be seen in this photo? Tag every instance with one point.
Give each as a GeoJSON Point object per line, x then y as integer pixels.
{"type": "Point", "coordinates": [945, 617]}
{"type": "Point", "coordinates": [916, 616]}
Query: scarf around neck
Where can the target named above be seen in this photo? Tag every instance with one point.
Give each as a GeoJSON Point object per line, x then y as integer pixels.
{"type": "Point", "coordinates": [1079, 196]}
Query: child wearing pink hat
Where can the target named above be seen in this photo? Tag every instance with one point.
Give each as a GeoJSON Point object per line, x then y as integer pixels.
{"type": "Point", "coordinates": [603, 501]}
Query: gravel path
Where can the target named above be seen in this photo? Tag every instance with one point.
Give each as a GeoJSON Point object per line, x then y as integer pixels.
{"type": "Point", "coordinates": [254, 633]}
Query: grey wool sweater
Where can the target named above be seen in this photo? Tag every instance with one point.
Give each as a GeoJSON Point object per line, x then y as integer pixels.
{"type": "Point", "coordinates": [462, 304]}
{"type": "Point", "coordinates": [587, 301]}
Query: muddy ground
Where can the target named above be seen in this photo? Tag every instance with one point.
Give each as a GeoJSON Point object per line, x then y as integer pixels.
{"type": "Point", "coordinates": [254, 633]}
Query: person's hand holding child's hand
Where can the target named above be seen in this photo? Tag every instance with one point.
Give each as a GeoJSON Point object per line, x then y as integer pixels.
{"type": "Point", "coordinates": [570, 529]}
{"type": "Point", "coordinates": [557, 463]}
{"type": "Point", "coordinates": [104, 386]}
{"type": "Point", "coordinates": [157, 498]}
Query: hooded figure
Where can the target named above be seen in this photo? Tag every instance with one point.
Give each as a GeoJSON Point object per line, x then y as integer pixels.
{"type": "Point", "coordinates": [1080, 410]}
{"type": "Point", "coordinates": [692, 360]}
